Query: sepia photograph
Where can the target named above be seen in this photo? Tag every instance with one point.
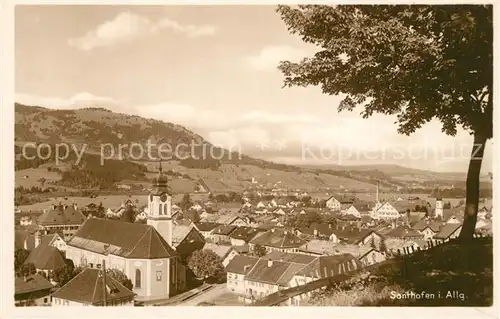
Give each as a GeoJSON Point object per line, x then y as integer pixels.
{"type": "Point", "coordinates": [329, 155]}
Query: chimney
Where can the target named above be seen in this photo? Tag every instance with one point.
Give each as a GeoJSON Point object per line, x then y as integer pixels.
{"type": "Point", "coordinates": [75, 206]}
{"type": "Point", "coordinates": [269, 263]}
{"type": "Point", "coordinates": [38, 238]}
{"type": "Point", "coordinates": [272, 230]}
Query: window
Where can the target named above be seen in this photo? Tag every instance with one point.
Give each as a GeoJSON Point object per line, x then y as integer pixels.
{"type": "Point", "coordinates": [138, 278]}
{"type": "Point", "coordinates": [45, 300]}
{"type": "Point", "coordinates": [98, 266]}
{"type": "Point", "coordinates": [91, 265]}
{"type": "Point", "coordinates": [158, 275]}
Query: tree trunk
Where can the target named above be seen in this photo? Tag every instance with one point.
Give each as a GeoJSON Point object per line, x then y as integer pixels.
{"type": "Point", "coordinates": [472, 188]}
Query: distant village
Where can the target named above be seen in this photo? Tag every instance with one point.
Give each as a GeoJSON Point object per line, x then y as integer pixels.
{"type": "Point", "coordinates": [256, 244]}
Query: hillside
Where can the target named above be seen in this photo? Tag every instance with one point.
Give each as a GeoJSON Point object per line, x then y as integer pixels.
{"type": "Point", "coordinates": [97, 126]}
{"type": "Point", "coordinates": [450, 274]}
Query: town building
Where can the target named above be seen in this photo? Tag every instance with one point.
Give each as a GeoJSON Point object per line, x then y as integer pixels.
{"type": "Point", "coordinates": [89, 288]}
{"type": "Point", "coordinates": [225, 252]}
{"type": "Point", "coordinates": [277, 239]}
{"type": "Point", "coordinates": [333, 204]}
{"type": "Point", "coordinates": [44, 255]}
{"type": "Point", "coordinates": [32, 290]}
{"type": "Point", "coordinates": [62, 219]}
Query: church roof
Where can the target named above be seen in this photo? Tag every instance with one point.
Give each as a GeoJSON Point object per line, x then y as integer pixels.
{"type": "Point", "coordinates": [160, 183]}
{"type": "Point", "coordinates": [128, 240]}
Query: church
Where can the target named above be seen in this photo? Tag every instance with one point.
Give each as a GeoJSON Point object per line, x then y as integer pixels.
{"type": "Point", "coordinates": [142, 251]}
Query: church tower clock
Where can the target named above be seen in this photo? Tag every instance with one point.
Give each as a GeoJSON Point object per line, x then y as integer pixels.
{"type": "Point", "coordinates": [160, 207]}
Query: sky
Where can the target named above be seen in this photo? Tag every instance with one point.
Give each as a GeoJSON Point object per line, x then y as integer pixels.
{"type": "Point", "coordinates": [212, 69]}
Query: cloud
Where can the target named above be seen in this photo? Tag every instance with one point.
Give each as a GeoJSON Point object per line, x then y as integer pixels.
{"type": "Point", "coordinates": [126, 26]}
{"type": "Point", "coordinates": [278, 118]}
{"type": "Point", "coordinates": [79, 100]}
{"type": "Point", "coordinates": [269, 57]}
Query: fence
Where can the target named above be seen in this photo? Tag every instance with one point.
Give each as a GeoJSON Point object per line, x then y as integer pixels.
{"type": "Point", "coordinates": [282, 296]}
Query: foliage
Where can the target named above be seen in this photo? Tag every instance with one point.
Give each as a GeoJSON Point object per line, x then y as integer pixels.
{"type": "Point", "coordinates": [26, 269]}
{"type": "Point", "coordinates": [64, 274]}
{"type": "Point", "coordinates": [20, 256]}
{"type": "Point", "coordinates": [120, 277]}
{"type": "Point", "coordinates": [465, 269]}
{"type": "Point", "coordinates": [259, 250]}
{"type": "Point", "coordinates": [186, 202]}
{"type": "Point", "coordinates": [206, 264]}
{"type": "Point", "coordinates": [305, 220]}
{"type": "Point", "coordinates": [415, 62]}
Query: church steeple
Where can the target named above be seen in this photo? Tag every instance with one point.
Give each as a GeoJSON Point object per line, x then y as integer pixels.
{"type": "Point", "coordinates": [160, 206]}
{"type": "Point", "coordinates": [160, 183]}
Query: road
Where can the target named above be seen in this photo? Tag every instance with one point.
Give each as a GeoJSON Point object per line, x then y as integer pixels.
{"type": "Point", "coordinates": [211, 294]}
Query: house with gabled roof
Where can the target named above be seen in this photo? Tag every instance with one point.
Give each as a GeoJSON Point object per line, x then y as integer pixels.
{"type": "Point", "coordinates": [64, 219]}
{"type": "Point", "coordinates": [225, 252]}
{"type": "Point", "coordinates": [221, 234]}
{"type": "Point", "coordinates": [45, 256]}
{"type": "Point", "coordinates": [333, 204]}
{"type": "Point", "coordinates": [33, 290]}
{"type": "Point", "coordinates": [427, 227]}
{"type": "Point", "coordinates": [277, 239]}
{"type": "Point", "coordinates": [236, 270]}
{"type": "Point", "coordinates": [404, 232]}
{"type": "Point", "coordinates": [448, 232]}
{"type": "Point", "coordinates": [206, 228]}
{"type": "Point", "coordinates": [366, 254]}
{"type": "Point", "coordinates": [186, 239]}
{"type": "Point", "coordinates": [89, 288]}
{"type": "Point", "coordinates": [243, 235]}
{"type": "Point", "coordinates": [278, 270]}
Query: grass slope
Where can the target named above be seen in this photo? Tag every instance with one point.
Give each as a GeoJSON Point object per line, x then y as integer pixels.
{"type": "Point", "coordinates": [450, 274]}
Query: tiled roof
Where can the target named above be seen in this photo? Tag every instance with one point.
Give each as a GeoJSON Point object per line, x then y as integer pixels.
{"type": "Point", "coordinates": [179, 232]}
{"type": "Point", "coordinates": [447, 230]}
{"type": "Point", "coordinates": [60, 215]}
{"type": "Point", "coordinates": [278, 238]}
{"type": "Point", "coordinates": [241, 264]}
{"type": "Point", "coordinates": [327, 248]}
{"type": "Point", "coordinates": [30, 284]}
{"type": "Point", "coordinates": [403, 232]}
{"type": "Point", "coordinates": [289, 257]}
{"type": "Point", "coordinates": [87, 288]}
{"type": "Point", "coordinates": [129, 240]}
{"type": "Point", "coordinates": [206, 226]}
{"type": "Point", "coordinates": [324, 230]}
{"type": "Point", "coordinates": [221, 250]}
{"type": "Point", "coordinates": [423, 224]}
{"type": "Point", "coordinates": [46, 257]}
{"type": "Point", "coordinates": [244, 233]}
{"type": "Point", "coordinates": [224, 230]}
{"type": "Point", "coordinates": [270, 271]}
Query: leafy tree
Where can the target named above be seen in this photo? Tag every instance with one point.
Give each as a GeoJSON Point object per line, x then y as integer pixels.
{"type": "Point", "coordinates": [65, 273]}
{"type": "Point", "coordinates": [26, 269]}
{"type": "Point", "coordinates": [186, 202]}
{"type": "Point", "coordinates": [418, 62]}
{"type": "Point", "coordinates": [259, 250]}
{"type": "Point", "coordinates": [20, 256]}
{"type": "Point", "coordinates": [120, 277]}
{"type": "Point", "coordinates": [206, 264]}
